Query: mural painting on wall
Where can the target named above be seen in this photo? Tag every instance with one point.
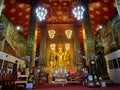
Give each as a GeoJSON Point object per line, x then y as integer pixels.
{"type": "Point", "coordinates": [107, 37]}
{"type": "Point", "coordinates": [1, 5]}
{"type": "Point", "coordinates": [116, 26]}
{"type": "Point", "coordinates": [109, 34]}
{"type": "Point", "coordinates": [16, 40]}
{"type": "Point", "coordinates": [117, 4]}
{"type": "Point", "coordinates": [8, 49]}
{"type": "Point", "coordinates": [2, 35]}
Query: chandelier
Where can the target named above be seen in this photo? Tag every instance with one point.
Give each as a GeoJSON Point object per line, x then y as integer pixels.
{"type": "Point", "coordinates": [78, 12]}
{"type": "Point", "coordinates": [51, 33]}
{"type": "Point", "coordinates": [68, 33]}
{"type": "Point", "coordinates": [41, 13]}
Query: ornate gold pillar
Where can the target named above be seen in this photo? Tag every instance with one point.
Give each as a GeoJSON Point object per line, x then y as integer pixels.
{"type": "Point", "coordinates": [77, 45]}
{"type": "Point", "coordinates": [89, 42]}
{"type": "Point", "coordinates": [31, 42]}
{"type": "Point", "coordinates": [42, 61]}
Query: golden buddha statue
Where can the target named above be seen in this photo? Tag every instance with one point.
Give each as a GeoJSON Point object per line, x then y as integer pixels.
{"type": "Point", "coordinates": [66, 58]}
{"type": "Point", "coordinates": [52, 59]}
{"type": "Point", "coordinates": [59, 56]}
{"type": "Point", "coordinates": [58, 59]}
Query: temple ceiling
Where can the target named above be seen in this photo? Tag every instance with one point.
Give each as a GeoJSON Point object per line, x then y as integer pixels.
{"type": "Point", "coordinates": [59, 12]}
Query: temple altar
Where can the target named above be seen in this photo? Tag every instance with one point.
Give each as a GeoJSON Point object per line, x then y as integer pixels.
{"type": "Point", "coordinates": [60, 76]}
{"type": "Point", "coordinates": [60, 59]}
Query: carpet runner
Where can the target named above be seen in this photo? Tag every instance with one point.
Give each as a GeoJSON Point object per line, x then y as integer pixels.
{"type": "Point", "coordinates": [74, 87]}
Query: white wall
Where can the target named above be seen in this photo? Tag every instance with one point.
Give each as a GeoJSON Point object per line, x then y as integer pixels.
{"type": "Point", "coordinates": [10, 58]}
{"type": "Point", "coordinates": [113, 73]}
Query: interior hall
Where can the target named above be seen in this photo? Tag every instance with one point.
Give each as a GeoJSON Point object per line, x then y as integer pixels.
{"type": "Point", "coordinates": [59, 44]}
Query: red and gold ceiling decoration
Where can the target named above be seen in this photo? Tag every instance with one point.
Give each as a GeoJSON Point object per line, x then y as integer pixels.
{"type": "Point", "coordinates": [101, 11]}
{"type": "Point", "coordinates": [59, 12]}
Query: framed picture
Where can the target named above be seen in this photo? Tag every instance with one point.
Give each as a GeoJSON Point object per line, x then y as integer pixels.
{"type": "Point", "coordinates": [1, 62]}
{"type": "Point", "coordinates": [5, 66]}
{"type": "Point", "coordinates": [10, 65]}
{"type": "Point", "coordinates": [115, 64]}
{"type": "Point", "coordinates": [110, 64]}
{"type": "Point", "coordinates": [119, 61]}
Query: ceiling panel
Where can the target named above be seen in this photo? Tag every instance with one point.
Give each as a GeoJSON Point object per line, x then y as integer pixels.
{"type": "Point", "coordinates": [59, 12]}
